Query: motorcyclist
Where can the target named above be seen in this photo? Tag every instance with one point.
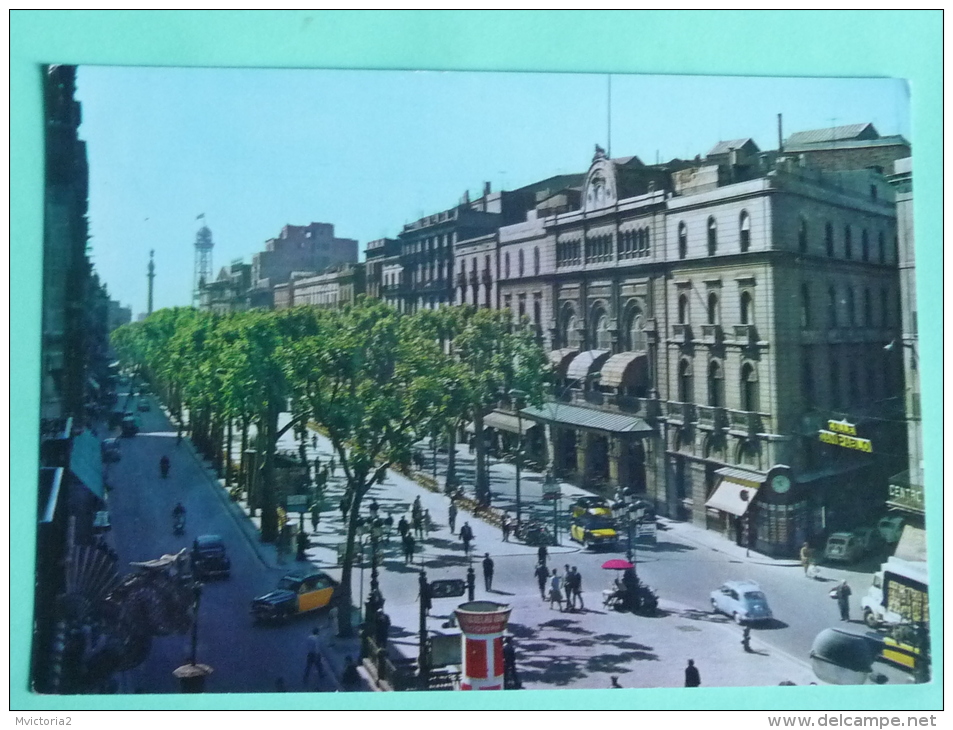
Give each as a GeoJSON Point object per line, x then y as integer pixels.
{"type": "Point", "coordinates": [178, 512]}
{"type": "Point", "coordinates": [164, 465]}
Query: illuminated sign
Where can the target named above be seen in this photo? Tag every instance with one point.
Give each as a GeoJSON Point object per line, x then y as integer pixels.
{"type": "Point", "coordinates": [841, 433]}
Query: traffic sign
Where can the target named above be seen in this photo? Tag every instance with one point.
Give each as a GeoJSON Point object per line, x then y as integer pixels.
{"type": "Point", "coordinates": [296, 502]}
{"type": "Point", "coordinates": [448, 588]}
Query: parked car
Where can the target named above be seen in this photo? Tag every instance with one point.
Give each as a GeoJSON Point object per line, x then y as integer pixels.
{"type": "Point", "coordinates": [144, 405]}
{"type": "Point", "coordinates": [594, 531]}
{"type": "Point", "coordinates": [209, 559]}
{"type": "Point", "coordinates": [590, 505]}
{"type": "Point", "coordinates": [870, 538]}
{"type": "Point", "coordinates": [843, 547]}
{"type": "Point", "coordinates": [295, 595]}
{"type": "Point", "coordinates": [130, 426]}
{"type": "Point", "coordinates": [110, 450]}
{"type": "Point", "coordinates": [890, 529]}
{"type": "Point", "coordinates": [743, 600]}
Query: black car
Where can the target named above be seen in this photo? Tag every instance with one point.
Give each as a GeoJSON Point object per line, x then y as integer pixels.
{"type": "Point", "coordinates": [130, 426]}
{"type": "Point", "coordinates": [209, 559]}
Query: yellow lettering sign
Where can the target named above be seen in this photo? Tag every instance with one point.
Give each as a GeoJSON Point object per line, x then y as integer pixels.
{"type": "Point", "coordinates": [842, 427]}
{"type": "Point", "coordinates": [847, 442]}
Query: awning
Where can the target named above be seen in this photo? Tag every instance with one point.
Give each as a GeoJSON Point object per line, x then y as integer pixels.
{"type": "Point", "coordinates": [912, 545]}
{"type": "Point", "coordinates": [587, 418]}
{"type": "Point", "coordinates": [585, 363]}
{"type": "Point", "coordinates": [635, 365]}
{"type": "Point", "coordinates": [732, 497]}
{"type": "Point", "coordinates": [505, 422]}
{"type": "Point", "coordinates": [560, 359]}
{"type": "Point", "coordinates": [744, 477]}
{"type": "Point", "coordinates": [86, 462]}
{"type": "Point", "coordinates": [51, 478]}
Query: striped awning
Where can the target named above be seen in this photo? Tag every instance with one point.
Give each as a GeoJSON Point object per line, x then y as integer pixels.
{"type": "Point", "coordinates": [585, 363]}
{"type": "Point", "coordinates": [560, 359]}
{"type": "Point", "coordinates": [625, 367]}
{"type": "Point", "coordinates": [587, 418]}
{"type": "Point", "coordinates": [505, 422]}
{"type": "Point", "coordinates": [743, 477]}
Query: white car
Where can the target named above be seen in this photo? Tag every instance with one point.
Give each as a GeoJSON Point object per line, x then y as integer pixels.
{"type": "Point", "coordinates": [743, 600]}
{"type": "Point", "coordinates": [890, 529]}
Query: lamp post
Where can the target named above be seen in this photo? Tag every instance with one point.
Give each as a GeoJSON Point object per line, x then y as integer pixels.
{"type": "Point", "coordinates": [517, 395]}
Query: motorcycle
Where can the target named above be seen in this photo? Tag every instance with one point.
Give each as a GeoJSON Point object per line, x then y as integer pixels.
{"type": "Point", "coordinates": [534, 533]}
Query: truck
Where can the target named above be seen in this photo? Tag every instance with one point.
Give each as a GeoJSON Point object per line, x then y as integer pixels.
{"type": "Point", "coordinates": [897, 600]}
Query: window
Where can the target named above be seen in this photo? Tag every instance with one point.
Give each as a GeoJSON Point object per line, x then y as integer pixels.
{"type": "Point", "coordinates": [638, 341]}
{"type": "Point", "coordinates": [851, 319]}
{"type": "Point", "coordinates": [881, 247]}
{"type": "Point", "coordinates": [848, 243]}
{"type": "Point", "coordinates": [603, 337]}
{"type": "Point", "coordinates": [831, 308]}
{"type": "Point", "coordinates": [685, 382]}
{"type": "Point", "coordinates": [712, 237]}
{"type": "Point", "coordinates": [536, 261]}
{"type": "Point", "coordinates": [745, 232]}
{"type": "Point", "coordinates": [520, 263]}
{"type": "Point", "coordinates": [521, 306]}
{"type": "Point", "coordinates": [747, 308]}
{"type": "Point", "coordinates": [865, 245]}
{"type": "Point", "coordinates": [805, 306]}
{"type": "Point", "coordinates": [682, 240]}
{"type": "Point", "coordinates": [537, 309]}
{"type": "Point", "coordinates": [506, 265]}
{"type": "Point", "coordinates": [683, 311]}
{"type": "Point", "coordinates": [835, 382]}
{"type": "Point", "coordinates": [829, 239]}
{"type": "Point", "coordinates": [749, 388]}
{"type": "Point", "coordinates": [713, 308]}
{"type": "Point", "coordinates": [868, 310]}
{"type": "Point", "coordinates": [716, 385]}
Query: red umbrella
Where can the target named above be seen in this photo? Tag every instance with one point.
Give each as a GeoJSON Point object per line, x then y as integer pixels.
{"type": "Point", "coordinates": [617, 564]}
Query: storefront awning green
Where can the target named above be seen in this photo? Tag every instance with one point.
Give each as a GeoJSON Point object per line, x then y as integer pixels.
{"type": "Point", "coordinates": [505, 422]}
{"type": "Point", "coordinates": [86, 462]}
{"type": "Point", "coordinates": [586, 418]}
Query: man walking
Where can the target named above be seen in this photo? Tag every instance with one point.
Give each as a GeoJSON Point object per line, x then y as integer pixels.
{"type": "Point", "coordinates": [807, 557]}
{"type": "Point", "coordinates": [577, 589]}
{"type": "Point", "coordinates": [403, 527]}
{"type": "Point", "coordinates": [555, 590]}
{"type": "Point", "coordinates": [505, 527]}
{"type": "Point", "coordinates": [842, 594]}
{"type": "Point", "coordinates": [567, 589]}
{"type": "Point", "coordinates": [466, 534]}
{"type": "Point", "coordinates": [692, 677]}
{"type": "Point", "coordinates": [409, 544]}
{"type": "Point", "coordinates": [541, 554]}
{"type": "Point", "coordinates": [542, 575]}
{"type": "Point", "coordinates": [511, 679]}
{"type": "Point", "coordinates": [452, 516]}
{"type": "Point", "coordinates": [418, 524]}
{"type": "Point", "coordinates": [488, 572]}
{"type": "Point", "coordinates": [314, 655]}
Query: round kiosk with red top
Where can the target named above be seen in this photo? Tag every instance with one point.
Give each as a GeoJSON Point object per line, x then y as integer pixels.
{"type": "Point", "coordinates": [482, 624]}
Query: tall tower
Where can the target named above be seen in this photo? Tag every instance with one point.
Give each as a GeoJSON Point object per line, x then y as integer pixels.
{"type": "Point", "coordinates": [151, 275]}
{"type": "Point", "coordinates": [203, 261]}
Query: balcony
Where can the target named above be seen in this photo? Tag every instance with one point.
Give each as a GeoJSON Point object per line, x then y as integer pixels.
{"type": "Point", "coordinates": [679, 413]}
{"type": "Point", "coordinates": [681, 333]}
{"type": "Point", "coordinates": [461, 279]}
{"type": "Point", "coordinates": [745, 423]}
{"type": "Point", "coordinates": [745, 334]}
{"type": "Point", "coordinates": [712, 418]}
{"type": "Point", "coordinates": [712, 334]}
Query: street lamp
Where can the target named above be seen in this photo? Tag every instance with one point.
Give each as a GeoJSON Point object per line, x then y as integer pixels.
{"type": "Point", "coordinates": [517, 395]}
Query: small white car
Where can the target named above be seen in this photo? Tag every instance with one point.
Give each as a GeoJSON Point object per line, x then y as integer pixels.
{"type": "Point", "coordinates": [890, 529]}
{"type": "Point", "coordinates": [743, 600]}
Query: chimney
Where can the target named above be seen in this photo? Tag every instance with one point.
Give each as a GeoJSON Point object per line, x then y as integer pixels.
{"type": "Point", "coordinates": [486, 189]}
{"type": "Point", "coordinates": [780, 138]}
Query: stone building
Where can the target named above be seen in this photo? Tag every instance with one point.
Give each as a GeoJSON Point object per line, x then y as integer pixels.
{"type": "Point", "coordinates": [230, 290]}
{"type": "Point", "coordinates": [335, 287]}
{"type": "Point", "coordinates": [848, 147]}
{"type": "Point", "coordinates": [712, 322]}
{"type": "Point", "coordinates": [380, 252]}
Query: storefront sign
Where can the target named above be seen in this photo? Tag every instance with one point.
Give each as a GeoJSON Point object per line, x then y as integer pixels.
{"type": "Point", "coordinates": [910, 496]}
{"type": "Point", "coordinates": [841, 433]}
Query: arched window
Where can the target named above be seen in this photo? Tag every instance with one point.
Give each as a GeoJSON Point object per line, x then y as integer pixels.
{"type": "Point", "coordinates": [745, 231]}
{"type": "Point", "coordinates": [864, 245]}
{"type": "Point", "coordinates": [747, 308]}
{"type": "Point", "coordinates": [868, 309]}
{"type": "Point", "coordinates": [682, 240]}
{"type": "Point", "coordinates": [749, 453]}
{"type": "Point", "coordinates": [829, 239]}
{"type": "Point", "coordinates": [712, 236]}
{"type": "Point", "coordinates": [831, 308]}
{"type": "Point", "coordinates": [685, 382]}
{"type": "Point", "coordinates": [536, 261]}
{"type": "Point", "coordinates": [683, 311]}
{"type": "Point", "coordinates": [716, 385]}
{"type": "Point", "coordinates": [638, 341]}
{"type": "Point", "coordinates": [570, 332]}
{"type": "Point", "coordinates": [848, 243]}
{"type": "Point", "coordinates": [805, 306]}
{"type": "Point", "coordinates": [713, 317]}
{"type": "Point", "coordinates": [647, 249]}
{"type": "Point", "coordinates": [603, 338]}
{"type": "Point", "coordinates": [881, 247]}
{"type": "Point", "coordinates": [802, 236]}
{"type": "Point", "coordinates": [851, 312]}
{"type": "Point", "coordinates": [520, 263]}
{"type": "Point", "coordinates": [506, 265]}
{"type": "Point", "coordinates": [749, 388]}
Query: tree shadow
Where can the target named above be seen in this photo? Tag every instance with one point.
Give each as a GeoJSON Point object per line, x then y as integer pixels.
{"type": "Point", "coordinates": [667, 547]}
{"type": "Point", "coordinates": [521, 631]}
{"type": "Point", "coordinates": [570, 627]}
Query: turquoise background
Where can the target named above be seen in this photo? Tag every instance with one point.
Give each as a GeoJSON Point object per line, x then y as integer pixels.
{"type": "Point", "coordinates": [906, 44]}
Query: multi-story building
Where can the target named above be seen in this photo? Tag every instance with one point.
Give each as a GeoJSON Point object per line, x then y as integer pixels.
{"type": "Point", "coordinates": [718, 328]}
{"type": "Point", "coordinates": [849, 147]}
{"type": "Point", "coordinates": [309, 248]}
{"type": "Point", "coordinates": [380, 252]}
{"type": "Point", "coordinates": [230, 290]}
{"type": "Point", "coordinates": [336, 287]}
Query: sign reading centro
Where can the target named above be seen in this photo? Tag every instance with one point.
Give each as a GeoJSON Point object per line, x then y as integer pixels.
{"type": "Point", "coordinates": [841, 433]}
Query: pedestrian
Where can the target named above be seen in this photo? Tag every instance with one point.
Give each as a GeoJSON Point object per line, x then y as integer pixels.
{"type": "Point", "coordinates": [419, 525]}
{"type": "Point", "coordinates": [427, 523]}
{"type": "Point", "coordinates": [350, 677]}
{"type": "Point", "coordinates": [452, 516]}
{"type": "Point", "coordinates": [315, 516]}
{"type": "Point", "coordinates": [567, 589]}
{"type": "Point", "coordinates": [314, 440]}
{"type": "Point", "coordinates": [317, 466]}
{"type": "Point", "coordinates": [388, 527]}
{"type": "Point", "coordinates": [577, 589]}
{"type": "Point", "coordinates": [303, 545]}
{"type": "Point", "coordinates": [416, 509]}
{"type": "Point", "coordinates": [614, 683]}
{"type": "Point", "coordinates": [343, 506]}
{"type": "Point", "coordinates": [746, 639]}
{"type": "Point", "coordinates": [541, 554]}
{"type": "Point", "coordinates": [409, 544]}
{"type": "Point", "coordinates": [488, 572]}
{"type": "Point", "coordinates": [542, 574]}
{"type": "Point", "coordinates": [511, 679]}
{"type": "Point", "coordinates": [314, 655]}
{"type": "Point", "coordinates": [331, 466]}
{"type": "Point", "coordinates": [555, 590]}
{"type": "Point", "coordinates": [692, 677]}
{"type": "Point", "coordinates": [505, 527]}
{"type": "Point", "coordinates": [403, 527]}
{"type": "Point", "coordinates": [807, 557]}
{"type": "Point", "coordinates": [374, 508]}
{"type": "Point", "coordinates": [842, 594]}
{"type": "Point", "coordinates": [466, 534]}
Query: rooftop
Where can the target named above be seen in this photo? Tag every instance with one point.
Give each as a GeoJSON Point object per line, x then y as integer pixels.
{"type": "Point", "coordinates": [831, 134]}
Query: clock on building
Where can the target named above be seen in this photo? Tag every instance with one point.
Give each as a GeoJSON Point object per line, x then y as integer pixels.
{"type": "Point", "coordinates": [781, 483]}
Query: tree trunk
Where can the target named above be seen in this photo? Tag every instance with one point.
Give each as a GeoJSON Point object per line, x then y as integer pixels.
{"type": "Point", "coordinates": [451, 481]}
{"type": "Point", "coordinates": [242, 476]}
{"type": "Point", "coordinates": [482, 481]}
{"type": "Point", "coordinates": [228, 455]}
{"type": "Point", "coordinates": [269, 515]}
{"type": "Point", "coordinates": [345, 624]}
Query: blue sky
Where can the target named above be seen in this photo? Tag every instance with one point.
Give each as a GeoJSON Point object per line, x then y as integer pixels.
{"type": "Point", "coordinates": [371, 150]}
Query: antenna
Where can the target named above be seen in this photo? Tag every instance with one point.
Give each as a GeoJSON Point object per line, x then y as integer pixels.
{"type": "Point", "coordinates": [203, 260]}
{"type": "Point", "coordinates": [609, 121]}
